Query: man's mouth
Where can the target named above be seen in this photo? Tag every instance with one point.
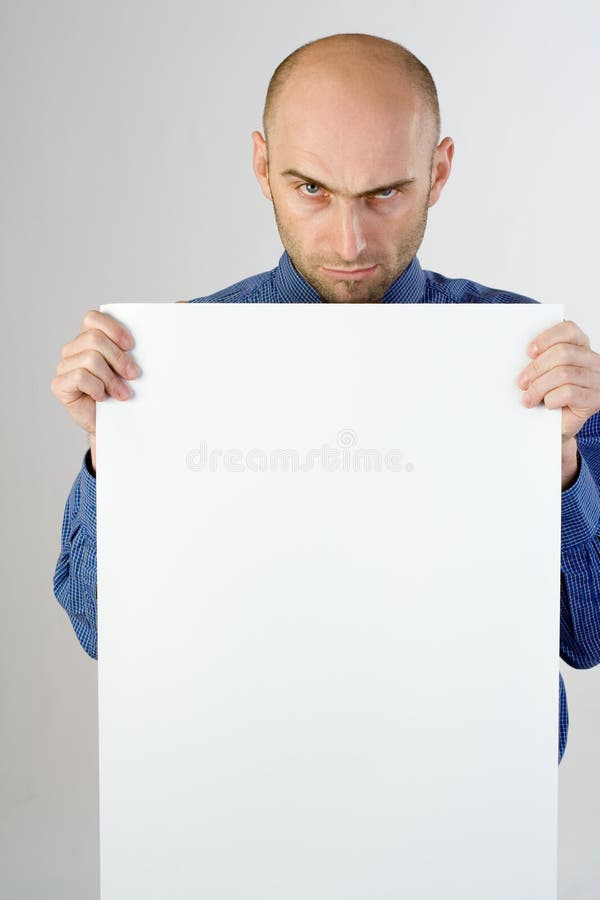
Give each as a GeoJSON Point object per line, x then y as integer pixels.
{"type": "Point", "coordinates": [350, 274]}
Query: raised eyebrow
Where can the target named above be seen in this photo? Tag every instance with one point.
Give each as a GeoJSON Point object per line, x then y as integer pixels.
{"type": "Point", "coordinates": [376, 190]}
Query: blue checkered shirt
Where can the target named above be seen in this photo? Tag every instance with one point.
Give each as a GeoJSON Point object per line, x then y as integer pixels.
{"type": "Point", "coordinates": [75, 573]}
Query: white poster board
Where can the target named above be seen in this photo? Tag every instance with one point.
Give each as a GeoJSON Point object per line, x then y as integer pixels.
{"type": "Point", "coordinates": [328, 606]}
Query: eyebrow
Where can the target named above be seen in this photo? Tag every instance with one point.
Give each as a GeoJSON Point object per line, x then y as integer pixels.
{"type": "Point", "coordinates": [375, 190]}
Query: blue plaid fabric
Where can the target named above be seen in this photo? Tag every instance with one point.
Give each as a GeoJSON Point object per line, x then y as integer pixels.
{"type": "Point", "coordinates": [75, 574]}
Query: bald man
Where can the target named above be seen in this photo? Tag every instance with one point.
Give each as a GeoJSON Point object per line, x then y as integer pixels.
{"type": "Point", "coordinates": [351, 161]}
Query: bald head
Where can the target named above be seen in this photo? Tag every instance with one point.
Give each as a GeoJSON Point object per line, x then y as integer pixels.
{"type": "Point", "coordinates": [351, 62]}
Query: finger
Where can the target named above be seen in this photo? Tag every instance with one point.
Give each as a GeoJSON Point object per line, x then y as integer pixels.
{"type": "Point", "coordinates": [561, 376]}
{"type": "Point", "coordinates": [96, 364]}
{"type": "Point", "coordinates": [559, 355]}
{"type": "Point", "coordinates": [69, 387]}
{"type": "Point", "coordinates": [568, 332]}
{"type": "Point", "coordinates": [576, 398]}
{"type": "Point", "coordinates": [113, 329]}
{"type": "Point", "coordinates": [97, 341]}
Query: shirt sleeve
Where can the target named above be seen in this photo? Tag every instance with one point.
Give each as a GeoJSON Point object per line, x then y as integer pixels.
{"type": "Point", "coordinates": [75, 582]}
{"type": "Point", "coordinates": [580, 555]}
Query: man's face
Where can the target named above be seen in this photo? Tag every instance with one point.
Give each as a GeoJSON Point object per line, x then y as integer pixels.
{"type": "Point", "coordinates": [338, 137]}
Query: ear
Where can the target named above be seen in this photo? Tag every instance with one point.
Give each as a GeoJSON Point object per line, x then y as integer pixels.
{"type": "Point", "coordinates": [440, 170]}
{"type": "Point", "coordinates": [260, 163]}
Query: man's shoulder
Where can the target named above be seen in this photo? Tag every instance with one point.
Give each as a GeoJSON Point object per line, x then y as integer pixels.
{"type": "Point", "coordinates": [254, 289]}
{"type": "Point", "coordinates": [441, 289]}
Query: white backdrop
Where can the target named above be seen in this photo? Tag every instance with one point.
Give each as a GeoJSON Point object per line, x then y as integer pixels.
{"type": "Point", "coordinates": [127, 176]}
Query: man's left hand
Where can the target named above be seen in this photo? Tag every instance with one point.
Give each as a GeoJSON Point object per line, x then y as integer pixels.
{"type": "Point", "coordinates": [564, 372]}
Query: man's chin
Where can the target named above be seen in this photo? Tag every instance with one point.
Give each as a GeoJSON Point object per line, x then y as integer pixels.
{"type": "Point", "coordinates": [348, 291]}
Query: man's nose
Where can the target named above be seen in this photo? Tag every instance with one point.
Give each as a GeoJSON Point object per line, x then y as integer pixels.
{"type": "Point", "coordinates": [348, 234]}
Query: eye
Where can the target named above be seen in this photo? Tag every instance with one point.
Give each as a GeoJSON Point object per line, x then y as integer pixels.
{"type": "Point", "coordinates": [387, 191]}
{"type": "Point", "coordinates": [310, 193]}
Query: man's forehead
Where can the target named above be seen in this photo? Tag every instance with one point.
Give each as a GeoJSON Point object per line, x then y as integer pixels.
{"type": "Point", "coordinates": [335, 154]}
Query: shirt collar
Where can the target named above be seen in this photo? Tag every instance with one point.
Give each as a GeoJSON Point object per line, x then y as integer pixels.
{"type": "Point", "coordinates": [292, 287]}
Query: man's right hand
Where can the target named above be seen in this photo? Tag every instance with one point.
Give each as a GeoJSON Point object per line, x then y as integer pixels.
{"type": "Point", "coordinates": [90, 367]}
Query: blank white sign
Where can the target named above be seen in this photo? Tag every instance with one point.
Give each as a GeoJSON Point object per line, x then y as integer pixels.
{"type": "Point", "coordinates": [328, 600]}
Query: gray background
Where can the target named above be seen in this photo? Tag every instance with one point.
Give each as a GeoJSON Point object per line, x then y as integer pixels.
{"type": "Point", "coordinates": [126, 176]}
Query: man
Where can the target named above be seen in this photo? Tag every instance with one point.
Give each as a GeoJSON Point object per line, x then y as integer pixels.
{"type": "Point", "coordinates": [351, 161]}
